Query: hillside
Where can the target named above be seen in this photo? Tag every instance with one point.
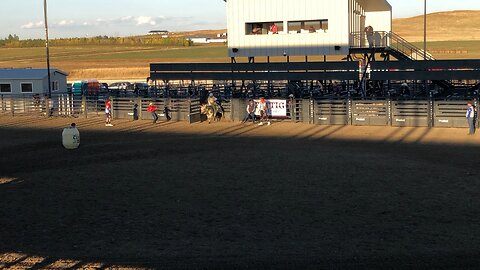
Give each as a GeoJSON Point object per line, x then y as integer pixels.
{"type": "Point", "coordinates": [441, 26]}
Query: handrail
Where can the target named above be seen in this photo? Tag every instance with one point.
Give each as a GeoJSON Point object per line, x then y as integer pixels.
{"type": "Point", "coordinates": [411, 51]}
{"type": "Point", "coordinates": [382, 39]}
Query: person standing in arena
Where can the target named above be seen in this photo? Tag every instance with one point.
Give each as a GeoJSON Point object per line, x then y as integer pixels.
{"type": "Point", "coordinates": [470, 118]}
{"type": "Point", "coordinates": [153, 110]}
{"type": "Point", "coordinates": [262, 111]}
{"type": "Point", "coordinates": [108, 113]}
{"type": "Point", "coordinates": [250, 111]}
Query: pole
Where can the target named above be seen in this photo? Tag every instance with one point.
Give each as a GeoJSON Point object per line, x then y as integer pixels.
{"type": "Point", "coordinates": [424, 29]}
{"type": "Point", "coordinates": [47, 49]}
{"type": "Point", "coordinates": [425, 35]}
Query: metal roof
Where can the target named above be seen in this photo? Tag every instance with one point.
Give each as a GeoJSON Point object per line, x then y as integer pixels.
{"type": "Point", "coordinates": [27, 73]}
{"type": "Point", "coordinates": [372, 5]}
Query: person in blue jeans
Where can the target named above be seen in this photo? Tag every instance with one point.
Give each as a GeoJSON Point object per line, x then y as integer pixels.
{"type": "Point", "coordinates": [250, 111]}
{"type": "Point", "coordinates": [470, 118]}
{"type": "Point", "coordinates": [153, 110]}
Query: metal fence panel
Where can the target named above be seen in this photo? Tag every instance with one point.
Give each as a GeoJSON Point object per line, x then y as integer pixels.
{"type": "Point", "coordinates": [195, 112]}
{"type": "Point", "coordinates": [370, 113]}
{"type": "Point", "coordinates": [450, 114]}
{"type": "Point", "coordinates": [227, 109]}
{"type": "Point", "coordinates": [331, 112]}
{"type": "Point", "coordinates": [159, 102]}
{"type": "Point", "coordinates": [122, 107]}
{"type": "Point", "coordinates": [410, 113]}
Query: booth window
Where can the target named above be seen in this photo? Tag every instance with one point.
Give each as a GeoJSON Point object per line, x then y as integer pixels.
{"type": "Point", "coordinates": [27, 88]}
{"type": "Point", "coordinates": [263, 28]}
{"type": "Point", "coordinates": [55, 86]}
{"type": "Point", "coordinates": [5, 88]}
{"type": "Point", "coordinates": [311, 26]}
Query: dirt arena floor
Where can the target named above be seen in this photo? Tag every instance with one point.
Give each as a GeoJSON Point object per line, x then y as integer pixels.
{"type": "Point", "coordinates": [232, 196]}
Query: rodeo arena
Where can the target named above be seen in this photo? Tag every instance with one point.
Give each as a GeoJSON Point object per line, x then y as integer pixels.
{"type": "Point", "coordinates": [382, 80]}
{"type": "Point", "coordinates": [359, 163]}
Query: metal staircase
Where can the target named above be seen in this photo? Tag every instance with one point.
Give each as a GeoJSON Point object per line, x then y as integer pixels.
{"type": "Point", "coordinates": [391, 44]}
{"type": "Point", "coordinates": [404, 50]}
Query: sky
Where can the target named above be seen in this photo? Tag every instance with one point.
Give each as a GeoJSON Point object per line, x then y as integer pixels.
{"type": "Point", "coordinates": [87, 18]}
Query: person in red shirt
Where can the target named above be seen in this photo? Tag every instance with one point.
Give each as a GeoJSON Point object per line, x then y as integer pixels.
{"type": "Point", "coordinates": [108, 113]}
{"type": "Point", "coordinates": [274, 28]}
{"type": "Point", "coordinates": [153, 110]}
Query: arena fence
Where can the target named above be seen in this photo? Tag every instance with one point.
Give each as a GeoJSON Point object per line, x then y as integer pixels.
{"type": "Point", "coordinates": [386, 112]}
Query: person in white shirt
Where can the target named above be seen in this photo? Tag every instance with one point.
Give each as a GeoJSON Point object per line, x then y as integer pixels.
{"type": "Point", "coordinates": [262, 111]}
{"type": "Point", "coordinates": [470, 118]}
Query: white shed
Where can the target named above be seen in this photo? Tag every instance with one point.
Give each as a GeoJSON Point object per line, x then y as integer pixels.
{"type": "Point", "coordinates": [302, 27]}
{"type": "Point", "coordinates": [31, 81]}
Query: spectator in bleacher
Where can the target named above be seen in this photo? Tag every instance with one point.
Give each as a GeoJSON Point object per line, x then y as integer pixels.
{"type": "Point", "coordinates": [404, 90]}
{"type": "Point", "coordinates": [274, 28]}
{"type": "Point", "coordinates": [369, 34]}
{"type": "Point", "coordinates": [470, 118]}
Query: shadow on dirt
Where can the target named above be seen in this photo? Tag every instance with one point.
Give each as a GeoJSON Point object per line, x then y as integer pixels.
{"type": "Point", "coordinates": [225, 201]}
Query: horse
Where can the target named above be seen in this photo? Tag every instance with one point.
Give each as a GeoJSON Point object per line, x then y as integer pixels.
{"type": "Point", "coordinates": [213, 112]}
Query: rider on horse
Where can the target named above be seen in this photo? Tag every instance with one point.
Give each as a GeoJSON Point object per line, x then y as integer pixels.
{"type": "Point", "coordinates": [212, 103]}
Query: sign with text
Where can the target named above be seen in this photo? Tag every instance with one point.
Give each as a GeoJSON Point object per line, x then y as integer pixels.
{"type": "Point", "coordinates": [276, 107]}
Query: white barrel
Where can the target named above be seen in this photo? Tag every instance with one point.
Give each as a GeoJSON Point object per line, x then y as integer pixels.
{"type": "Point", "coordinates": [71, 138]}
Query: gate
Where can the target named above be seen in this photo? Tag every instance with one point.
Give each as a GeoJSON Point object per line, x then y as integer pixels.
{"type": "Point", "coordinates": [227, 109]}
{"type": "Point", "coordinates": [143, 113]}
{"type": "Point", "coordinates": [298, 107]}
{"type": "Point", "coordinates": [194, 115]}
{"type": "Point", "coordinates": [450, 114]}
{"type": "Point", "coordinates": [410, 113]}
{"type": "Point", "coordinates": [370, 113]}
{"type": "Point", "coordinates": [94, 105]}
{"type": "Point", "coordinates": [331, 112]}
{"type": "Point", "coordinates": [179, 109]}
{"type": "Point", "coordinates": [122, 107]}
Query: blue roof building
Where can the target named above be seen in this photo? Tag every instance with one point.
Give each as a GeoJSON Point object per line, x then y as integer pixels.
{"type": "Point", "coordinates": [18, 81]}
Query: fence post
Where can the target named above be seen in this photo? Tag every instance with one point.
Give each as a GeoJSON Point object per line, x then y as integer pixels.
{"type": "Point", "coordinates": [306, 111]}
{"type": "Point", "coordinates": [235, 109]}
{"type": "Point", "coordinates": [349, 111]}
{"type": "Point", "coordinates": [140, 106]}
{"type": "Point", "coordinates": [312, 111]}
{"type": "Point", "coordinates": [112, 108]}
{"type": "Point", "coordinates": [476, 107]}
{"type": "Point", "coordinates": [12, 105]}
{"type": "Point", "coordinates": [389, 111]}
{"type": "Point", "coordinates": [430, 110]}
{"type": "Point", "coordinates": [84, 106]}
{"type": "Point", "coordinates": [24, 105]}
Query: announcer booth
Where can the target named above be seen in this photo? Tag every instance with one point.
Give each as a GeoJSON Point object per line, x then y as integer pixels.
{"type": "Point", "coordinates": [302, 27]}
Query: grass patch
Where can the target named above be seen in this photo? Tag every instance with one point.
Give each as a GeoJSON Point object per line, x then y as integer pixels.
{"type": "Point", "coordinates": [127, 62]}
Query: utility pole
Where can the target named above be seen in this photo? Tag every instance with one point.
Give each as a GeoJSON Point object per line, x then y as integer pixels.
{"type": "Point", "coordinates": [425, 41]}
{"type": "Point", "coordinates": [46, 46]}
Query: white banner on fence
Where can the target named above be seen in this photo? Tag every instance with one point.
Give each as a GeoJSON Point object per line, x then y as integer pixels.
{"type": "Point", "coordinates": [276, 107]}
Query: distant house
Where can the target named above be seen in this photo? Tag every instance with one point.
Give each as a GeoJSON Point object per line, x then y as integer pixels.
{"type": "Point", "coordinates": [206, 40]}
{"type": "Point", "coordinates": [163, 33]}
{"type": "Point", "coordinates": [31, 81]}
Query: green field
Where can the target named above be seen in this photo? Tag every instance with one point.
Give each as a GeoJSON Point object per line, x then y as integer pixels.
{"type": "Point", "coordinates": [117, 62]}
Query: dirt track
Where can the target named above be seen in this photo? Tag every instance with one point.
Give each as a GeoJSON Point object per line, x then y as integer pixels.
{"type": "Point", "coordinates": [231, 196]}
